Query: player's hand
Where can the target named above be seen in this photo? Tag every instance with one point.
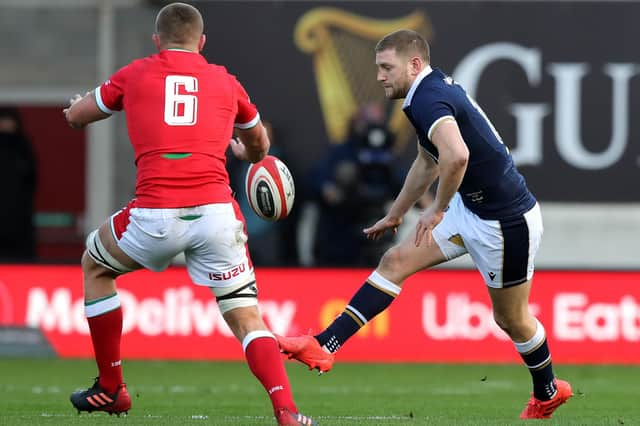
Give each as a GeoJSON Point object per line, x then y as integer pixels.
{"type": "Point", "coordinates": [65, 111]}
{"type": "Point", "coordinates": [75, 99]}
{"type": "Point", "coordinates": [380, 227]}
{"type": "Point", "coordinates": [428, 220]}
{"type": "Point", "coordinates": [238, 149]}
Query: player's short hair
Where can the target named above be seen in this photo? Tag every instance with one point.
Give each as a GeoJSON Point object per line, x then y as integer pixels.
{"type": "Point", "coordinates": [405, 42]}
{"type": "Point", "coordinates": [179, 23]}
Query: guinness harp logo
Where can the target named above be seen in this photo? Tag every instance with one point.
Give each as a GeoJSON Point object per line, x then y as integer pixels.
{"type": "Point", "coordinates": [342, 47]}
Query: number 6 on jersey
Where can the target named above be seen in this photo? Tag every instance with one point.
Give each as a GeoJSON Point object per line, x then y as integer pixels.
{"type": "Point", "coordinates": [180, 110]}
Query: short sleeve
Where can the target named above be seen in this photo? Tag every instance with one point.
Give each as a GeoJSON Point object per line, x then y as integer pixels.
{"type": "Point", "coordinates": [431, 112]}
{"type": "Point", "coordinates": [110, 94]}
{"type": "Point", "coordinates": [248, 115]}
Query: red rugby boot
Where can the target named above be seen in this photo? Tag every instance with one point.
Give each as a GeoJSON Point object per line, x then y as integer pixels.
{"type": "Point", "coordinates": [537, 409]}
{"type": "Point", "coordinates": [307, 350]}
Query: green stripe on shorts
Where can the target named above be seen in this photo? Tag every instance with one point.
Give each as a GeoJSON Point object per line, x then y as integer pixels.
{"type": "Point", "coordinates": [191, 217]}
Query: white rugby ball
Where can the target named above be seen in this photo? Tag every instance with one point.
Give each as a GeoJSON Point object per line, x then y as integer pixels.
{"type": "Point", "coordinates": [270, 188]}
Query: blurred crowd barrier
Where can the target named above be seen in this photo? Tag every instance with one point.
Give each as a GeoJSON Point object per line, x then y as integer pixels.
{"type": "Point", "coordinates": [440, 316]}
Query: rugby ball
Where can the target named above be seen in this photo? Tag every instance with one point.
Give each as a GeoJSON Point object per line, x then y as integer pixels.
{"type": "Point", "coordinates": [270, 188]}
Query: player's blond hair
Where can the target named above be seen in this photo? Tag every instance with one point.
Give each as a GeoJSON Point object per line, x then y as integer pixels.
{"type": "Point", "coordinates": [179, 23]}
{"type": "Point", "coordinates": [406, 43]}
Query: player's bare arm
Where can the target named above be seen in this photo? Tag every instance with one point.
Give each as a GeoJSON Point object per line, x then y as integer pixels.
{"type": "Point", "coordinates": [453, 156]}
{"type": "Point", "coordinates": [251, 144]}
{"type": "Point", "coordinates": [421, 175]}
{"type": "Point", "coordinates": [83, 110]}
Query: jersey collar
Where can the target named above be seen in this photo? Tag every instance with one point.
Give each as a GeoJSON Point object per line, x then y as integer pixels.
{"type": "Point", "coordinates": [425, 72]}
{"type": "Point", "coordinates": [177, 49]}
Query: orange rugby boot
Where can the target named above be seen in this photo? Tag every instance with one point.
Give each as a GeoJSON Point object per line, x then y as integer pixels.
{"type": "Point", "coordinates": [537, 409]}
{"type": "Point", "coordinates": [307, 350]}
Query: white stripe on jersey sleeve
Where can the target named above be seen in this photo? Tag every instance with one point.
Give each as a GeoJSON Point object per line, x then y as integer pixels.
{"type": "Point", "coordinates": [250, 124]}
{"type": "Point", "coordinates": [438, 121]}
{"type": "Point", "coordinates": [100, 103]}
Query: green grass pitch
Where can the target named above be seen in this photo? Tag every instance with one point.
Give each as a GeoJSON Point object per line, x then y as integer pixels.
{"type": "Point", "coordinates": [36, 392]}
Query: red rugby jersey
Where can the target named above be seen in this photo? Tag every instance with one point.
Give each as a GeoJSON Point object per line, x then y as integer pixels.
{"type": "Point", "coordinates": [180, 112]}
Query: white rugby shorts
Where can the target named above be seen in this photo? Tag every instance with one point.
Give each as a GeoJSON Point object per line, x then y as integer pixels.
{"type": "Point", "coordinates": [503, 251]}
{"type": "Point", "coordinates": [212, 237]}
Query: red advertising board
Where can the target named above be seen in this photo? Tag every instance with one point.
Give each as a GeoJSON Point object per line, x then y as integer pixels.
{"type": "Point", "coordinates": [440, 316]}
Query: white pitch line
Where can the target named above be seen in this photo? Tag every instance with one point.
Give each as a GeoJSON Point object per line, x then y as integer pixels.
{"type": "Point", "coordinates": [366, 417]}
{"type": "Point", "coordinates": [324, 417]}
{"type": "Point", "coordinates": [239, 418]}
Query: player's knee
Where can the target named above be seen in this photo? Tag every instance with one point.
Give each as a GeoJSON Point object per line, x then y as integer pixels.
{"type": "Point", "coordinates": [511, 322]}
{"type": "Point", "coordinates": [502, 321]}
{"type": "Point", "coordinates": [84, 260]}
{"type": "Point", "coordinates": [88, 264]}
{"type": "Point", "coordinates": [91, 269]}
{"type": "Point", "coordinates": [393, 259]}
{"type": "Point", "coordinates": [244, 320]}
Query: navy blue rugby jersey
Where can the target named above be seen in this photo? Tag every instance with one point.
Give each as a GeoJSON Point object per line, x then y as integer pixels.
{"type": "Point", "coordinates": [492, 187]}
